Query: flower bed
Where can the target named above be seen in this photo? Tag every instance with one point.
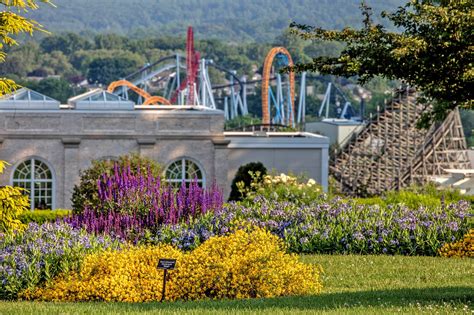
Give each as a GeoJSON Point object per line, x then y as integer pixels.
{"type": "Point", "coordinates": [40, 253]}
{"type": "Point", "coordinates": [334, 226]}
{"type": "Point", "coordinates": [240, 265]}
{"type": "Point", "coordinates": [130, 204]}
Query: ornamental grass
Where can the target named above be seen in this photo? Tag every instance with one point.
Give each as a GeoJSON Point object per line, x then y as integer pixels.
{"type": "Point", "coordinates": [241, 265]}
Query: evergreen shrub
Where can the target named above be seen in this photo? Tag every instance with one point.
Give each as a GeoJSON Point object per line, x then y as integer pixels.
{"type": "Point", "coordinates": [245, 175]}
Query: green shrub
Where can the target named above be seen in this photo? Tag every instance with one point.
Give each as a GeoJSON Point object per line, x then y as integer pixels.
{"type": "Point", "coordinates": [43, 216]}
{"type": "Point", "coordinates": [86, 193]}
{"type": "Point", "coordinates": [428, 196]}
{"type": "Point", "coordinates": [13, 203]}
{"type": "Point", "coordinates": [244, 175]}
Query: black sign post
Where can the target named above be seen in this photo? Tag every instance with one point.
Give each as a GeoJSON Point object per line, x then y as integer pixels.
{"type": "Point", "coordinates": [165, 264]}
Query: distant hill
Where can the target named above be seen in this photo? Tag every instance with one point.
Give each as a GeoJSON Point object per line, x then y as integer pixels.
{"type": "Point", "coordinates": [233, 20]}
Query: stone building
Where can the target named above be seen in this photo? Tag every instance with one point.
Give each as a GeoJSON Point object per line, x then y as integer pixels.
{"type": "Point", "coordinates": [47, 144]}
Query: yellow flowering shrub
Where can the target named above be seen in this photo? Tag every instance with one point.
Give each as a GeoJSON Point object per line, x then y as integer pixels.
{"type": "Point", "coordinates": [244, 265]}
{"type": "Point", "coordinates": [130, 275]}
{"type": "Point", "coordinates": [240, 265]}
{"type": "Point", "coordinates": [461, 248]}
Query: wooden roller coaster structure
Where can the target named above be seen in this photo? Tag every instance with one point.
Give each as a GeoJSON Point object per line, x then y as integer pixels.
{"type": "Point", "coordinates": [391, 153]}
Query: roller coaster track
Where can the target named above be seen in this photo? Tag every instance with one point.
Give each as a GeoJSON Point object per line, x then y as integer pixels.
{"type": "Point", "coordinates": [267, 68]}
{"type": "Point", "coordinates": [149, 99]}
{"type": "Point", "coordinates": [156, 100]}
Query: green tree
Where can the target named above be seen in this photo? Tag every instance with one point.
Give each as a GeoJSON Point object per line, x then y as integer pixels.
{"type": "Point", "coordinates": [110, 41]}
{"type": "Point", "coordinates": [11, 24]}
{"type": "Point", "coordinates": [82, 59]}
{"type": "Point", "coordinates": [66, 43]}
{"type": "Point", "coordinates": [58, 89]}
{"type": "Point", "coordinates": [433, 51]}
{"type": "Point", "coordinates": [467, 117]}
{"type": "Point", "coordinates": [295, 45]}
{"type": "Point", "coordinates": [13, 204]}
{"type": "Point", "coordinates": [106, 70]}
{"type": "Point", "coordinates": [57, 63]}
{"type": "Point", "coordinates": [21, 59]}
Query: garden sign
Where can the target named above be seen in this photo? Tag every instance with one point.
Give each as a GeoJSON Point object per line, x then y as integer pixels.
{"type": "Point", "coordinates": [165, 264]}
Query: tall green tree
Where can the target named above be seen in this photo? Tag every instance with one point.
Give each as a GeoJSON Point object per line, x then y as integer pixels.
{"type": "Point", "coordinates": [59, 89]}
{"type": "Point", "coordinates": [66, 43]}
{"type": "Point", "coordinates": [13, 23]}
{"type": "Point", "coordinates": [432, 51]}
{"type": "Point", "coordinates": [106, 70]}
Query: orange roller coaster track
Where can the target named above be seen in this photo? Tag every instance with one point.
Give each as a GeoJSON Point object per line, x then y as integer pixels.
{"type": "Point", "coordinates": [149, 99]}
{"type": "Point", "coordinates": [156, 100]}
{"type": "Point", "coordinates": [267, 68]}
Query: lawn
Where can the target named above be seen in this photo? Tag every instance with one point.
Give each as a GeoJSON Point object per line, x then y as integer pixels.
{"type": "Point", "coordinates": [352, 285]}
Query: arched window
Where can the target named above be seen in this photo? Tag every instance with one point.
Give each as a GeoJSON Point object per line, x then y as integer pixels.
{"type": "Point", "coordinates": [36, 177]}
{"type": "Point", "coordinates": [184, 170]}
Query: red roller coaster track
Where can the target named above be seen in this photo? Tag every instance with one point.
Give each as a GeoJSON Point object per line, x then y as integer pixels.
{"type": "Point", "coordinates": [192, 68]}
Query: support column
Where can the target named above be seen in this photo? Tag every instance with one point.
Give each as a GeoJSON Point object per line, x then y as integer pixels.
{"type": "Point", "coordinates": [221, 167]}
{"type": "Point", "coordinates": [324, 168]}
{"type": "Point", "coordinates": [70, 172]}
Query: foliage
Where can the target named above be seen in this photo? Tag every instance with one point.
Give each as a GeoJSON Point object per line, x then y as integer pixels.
{"type": "Point", "coordinates": [11, 25]}
{"type": "Point", "coordinates": [40, 253]}
{"type": "Point", "coordinates": [132, 203]}
{"type": "Point", "coordinates": [59, 89]}
{"type": "Point", "coordinates": [109, 69]}
{"type": "Point", "coordinates": [213, 19]}
{"type": "Point", "coordinates": [13, 204]}
{"type": "Point", "coordinates": [243, 177]}
{"type": "Point", "coordinates": [242, 121]}
{"type": "Point", "coordinates": [467, 118]}
{"type": "Point", "coordinates": [241, 265]}
{"type": "Point", "coordinates": [431, 33]}
{"type": "Point", "coordinates": [461, 248]}
{"type": "Point", "coordinates": [335, 226]}
{"type": "Point", "coordinates": [429, 196]}
{"type": "Point", "coordinates": [85, 194]}
{"type": "Point", "coordinates": [282, 187]}
{"type": "Point", "coordinates": [43, 216]}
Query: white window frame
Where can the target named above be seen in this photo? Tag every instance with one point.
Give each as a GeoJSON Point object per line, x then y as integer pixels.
{"type": "Point", "coordinates": [183, 160]}
{"type": "Point", "coordinates": [32, 181]}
